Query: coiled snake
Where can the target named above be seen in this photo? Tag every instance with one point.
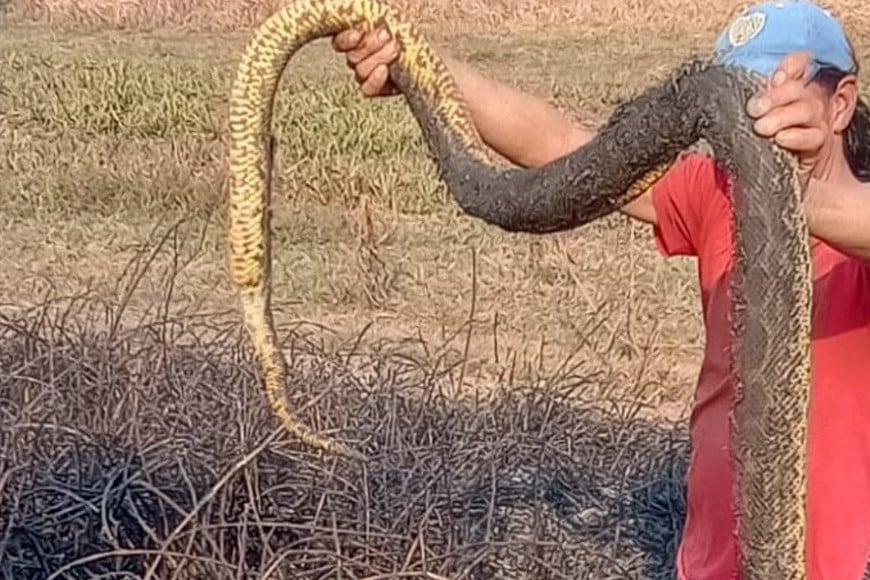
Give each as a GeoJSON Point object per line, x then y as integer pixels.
{"type": "Point", "coordinates": [701, 101]}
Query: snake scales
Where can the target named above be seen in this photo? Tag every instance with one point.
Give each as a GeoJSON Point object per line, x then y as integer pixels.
{"type": "Point", "coordinates": [701, 101]}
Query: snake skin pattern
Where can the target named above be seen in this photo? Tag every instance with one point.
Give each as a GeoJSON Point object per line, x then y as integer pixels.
{"type": "Point", "coordinates": [771, 288]}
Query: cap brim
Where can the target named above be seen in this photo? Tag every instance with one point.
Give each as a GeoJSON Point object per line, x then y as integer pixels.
{"type": "Point", "coordinates": [762, 64]}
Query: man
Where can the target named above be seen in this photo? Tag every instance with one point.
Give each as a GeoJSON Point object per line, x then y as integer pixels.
{"type": "Point", "coordinates": [807, 108]}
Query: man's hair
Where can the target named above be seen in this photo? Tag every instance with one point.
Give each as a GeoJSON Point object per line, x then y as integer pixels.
{"type": "Point", "coordinates": [857, 142]}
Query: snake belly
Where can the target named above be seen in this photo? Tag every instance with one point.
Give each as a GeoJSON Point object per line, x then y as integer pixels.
{"type": "Point", "coordinates": [771, 290]}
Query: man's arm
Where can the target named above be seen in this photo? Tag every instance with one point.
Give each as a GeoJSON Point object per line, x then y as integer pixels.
{"type": "Point", "coordinates": [839, 214]}
{"type": "Point", "coordinates": [523, 128]}
{"type": "Point", "coordinates": [527, 129]}
{"type": "Point", "coordinates": [531, 132]}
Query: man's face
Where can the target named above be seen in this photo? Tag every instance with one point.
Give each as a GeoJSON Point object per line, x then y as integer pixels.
{"type": "Point", "coordinates": [835, 100]}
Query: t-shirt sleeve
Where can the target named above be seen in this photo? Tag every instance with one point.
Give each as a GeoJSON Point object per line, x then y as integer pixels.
{"type": "Point", "coordinates": [683, 199]}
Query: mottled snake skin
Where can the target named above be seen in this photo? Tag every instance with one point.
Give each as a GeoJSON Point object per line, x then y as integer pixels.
{"type": "Point", "coordinates": [701, 101]}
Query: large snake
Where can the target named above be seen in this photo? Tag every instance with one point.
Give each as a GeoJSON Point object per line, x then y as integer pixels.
{"type": "Point", "coordinates": [771, 286]}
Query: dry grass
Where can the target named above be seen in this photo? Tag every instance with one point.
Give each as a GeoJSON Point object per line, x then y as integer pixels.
{"type": "Point", "coordinates": [235, 14]}
{"type": "Point", "coordinates": [106, 135]}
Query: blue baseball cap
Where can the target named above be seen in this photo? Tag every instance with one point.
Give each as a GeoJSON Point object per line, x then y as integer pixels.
{"type": "Point", "coordinates": [762, 35]}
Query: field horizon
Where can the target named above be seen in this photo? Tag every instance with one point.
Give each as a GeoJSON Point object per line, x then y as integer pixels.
{"type": "Point", "coordinates": [234, 15]}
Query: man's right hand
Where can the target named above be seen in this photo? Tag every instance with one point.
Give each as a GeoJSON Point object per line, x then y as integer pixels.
{"type": "Point", "coordinates": [792, 112]}
{"type": "Point", "coordinates": [369, 55]}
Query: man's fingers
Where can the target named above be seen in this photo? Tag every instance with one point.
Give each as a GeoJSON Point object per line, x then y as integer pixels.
{"type": "Point", "coordinates": [773, 98]}
{"type": "Point", "coordinates": [385, 56]}
{"type": "Point", "coordinates": [346, 40]}
{"type": "Point", "coordinates": [376, 83]}
{"type": "Point", "coordinates": [800, 140]}
{"type": "Point", "coordinates": [785, 86]}
{"type": "Point", "coordinates": [370, 44]}
{"type": "Point", "coordinates": [796, 114]}
{"type": "Point", "coordinates": [795, 66]}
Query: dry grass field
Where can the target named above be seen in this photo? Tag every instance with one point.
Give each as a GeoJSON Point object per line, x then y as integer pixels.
{"type": "Point", "coordinates": [129, 415]}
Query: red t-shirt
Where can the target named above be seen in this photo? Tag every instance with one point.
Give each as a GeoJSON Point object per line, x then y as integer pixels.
{"type": "Point", "coordinates": [693, 211]}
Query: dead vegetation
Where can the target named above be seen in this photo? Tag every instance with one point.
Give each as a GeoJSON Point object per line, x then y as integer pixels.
{"type": "Point", "coordinates": [227, 15]}
{"type": "Point", "coordinates": [146, 451]}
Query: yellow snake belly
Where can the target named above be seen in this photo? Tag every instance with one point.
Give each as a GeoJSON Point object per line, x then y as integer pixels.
{"type": "Point", "coordinates": [771, 288]}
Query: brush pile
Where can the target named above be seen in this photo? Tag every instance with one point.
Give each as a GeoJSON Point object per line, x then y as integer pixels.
{"type": "Point", "coordinates": [149, 452]}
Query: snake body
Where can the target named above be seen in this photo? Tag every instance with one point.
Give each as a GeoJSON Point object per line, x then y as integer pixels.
{"type": "Point", "coordinates": [771, 286]}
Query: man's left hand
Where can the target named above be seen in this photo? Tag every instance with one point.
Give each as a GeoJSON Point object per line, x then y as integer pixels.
{"type": "Point", "coordinates": [787, 112]}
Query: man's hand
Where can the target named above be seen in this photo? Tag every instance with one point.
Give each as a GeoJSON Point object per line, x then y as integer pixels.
{"type": "Point", "coordinates": [369, 55]}
{"type": "Point", "coordinates": [789, 112]}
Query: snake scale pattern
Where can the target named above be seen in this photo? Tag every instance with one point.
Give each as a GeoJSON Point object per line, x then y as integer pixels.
{"type": "Point", "coordinates": [771, 286]}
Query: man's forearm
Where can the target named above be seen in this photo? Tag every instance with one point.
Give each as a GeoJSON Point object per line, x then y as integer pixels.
{"type": "Point", "coordinates": [523, 128]}
{"type": "Point", "coordinates": [839, 214]}
{"type": "Point", "coordinates": [527, 129]}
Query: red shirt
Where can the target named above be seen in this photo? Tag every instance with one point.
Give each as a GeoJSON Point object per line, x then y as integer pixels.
{"type": "Point", "coordinates": [693, 212]}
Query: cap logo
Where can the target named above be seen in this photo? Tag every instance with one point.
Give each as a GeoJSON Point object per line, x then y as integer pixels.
{"type": "Point", "coordinates": [746, 28]}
